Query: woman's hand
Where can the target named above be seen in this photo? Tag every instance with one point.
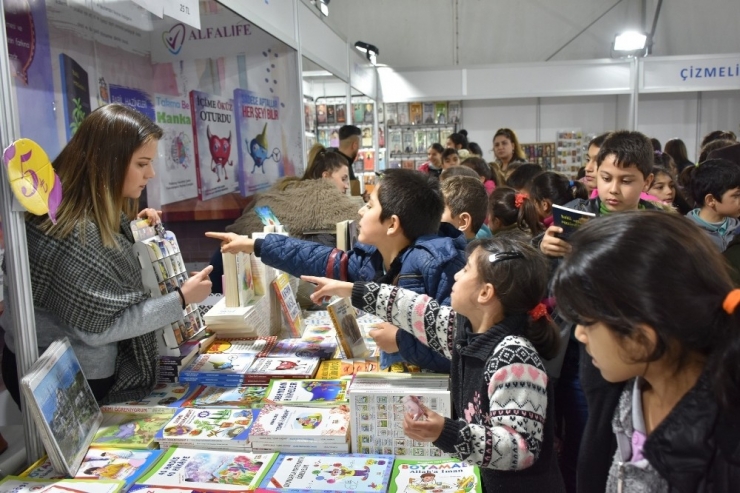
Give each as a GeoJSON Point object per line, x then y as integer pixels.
{"type": "Point", "coordinates": [428, 428]}
{"type": "Point", "coordinates": [384, 335]}
{"type": "Point", "coordinates": [551, 245]}
{"type": "Point", "coordinates": [152, 215]}
{"type": "Point", "coordinates": [326, 288]}
{"type": "Point", "coordinates": [198, 287]}
{"type": "Point", "coordinates": [233, 243]}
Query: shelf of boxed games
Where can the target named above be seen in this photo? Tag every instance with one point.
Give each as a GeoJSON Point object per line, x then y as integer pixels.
{"type": "Point", "coordinates": [542, 153]}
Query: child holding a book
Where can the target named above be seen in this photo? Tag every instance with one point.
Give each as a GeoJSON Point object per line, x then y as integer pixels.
{"type": "Point", "coordinates": [550, 188]}
{"type": "Point", "coordinates": [85, 276]}
{"type": "Point", "coordinates": [497, 334]}
{"type": "Point", "coordinates": [715, 187]}
{"type": "Point", "coordinates": [401, 241]}
{"type": "Point", "coordinates": [676, 343]}
{"type": "Point", "coordinates": [466, 206]}
{"type": "Point", "coordinates": [624, 171]}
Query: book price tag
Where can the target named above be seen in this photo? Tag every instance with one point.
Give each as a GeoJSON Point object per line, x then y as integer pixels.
{"type": "Point", "coordinates": [185, 11]}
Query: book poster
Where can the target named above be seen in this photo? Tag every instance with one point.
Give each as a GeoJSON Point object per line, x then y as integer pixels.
{"type": "Point", "coordinates": [260, 139]}
{"type": "Point", "coordinates": [75, 93]}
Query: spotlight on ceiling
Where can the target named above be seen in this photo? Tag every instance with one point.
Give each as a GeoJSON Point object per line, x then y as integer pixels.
{"type": "Point", "coordinates": [322, 5]}
{"type": "Point", "coordinates": [630, 44]}
{"type": "Point", "coordinates": [370, 51]}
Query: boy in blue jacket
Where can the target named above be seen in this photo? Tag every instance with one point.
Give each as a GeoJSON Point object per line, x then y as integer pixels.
{"type": "Point", "coordinates": [715, 187]}
{"type": "Point", "coordinates": [401, 241]}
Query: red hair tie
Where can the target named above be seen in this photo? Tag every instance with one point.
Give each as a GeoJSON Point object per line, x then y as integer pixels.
{"type": "Point", "coordinates": [519, 199]}
{"type": "Point", "coordinates": [731, 301]}
{"type": "Point", "coordinates": [540, 311]}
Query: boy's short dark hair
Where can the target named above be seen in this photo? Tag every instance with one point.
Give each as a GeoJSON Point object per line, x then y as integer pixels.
{"type": "Point", "coordinates": [457, 171]}
{"type": "Point", "coordinates": [466, 194]}
{"type": "Point", "coordinates": [598, 140]}
{"type": "Point", "coordinates": [521, 177]}
{"type": "Point", "coordinates": [348, 131]}
{"type": "Point", "coordinates": [480, 166]}
{"type": "Point", "coordinates": [415, 198]}
{"type": "Point", "coordinates": [715, 177]}
{"type": "Point", "coordinates": [629, 149]}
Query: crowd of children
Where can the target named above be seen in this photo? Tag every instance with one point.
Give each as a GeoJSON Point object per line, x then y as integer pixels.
{"type": "Point", "coordinates": [637, 309]}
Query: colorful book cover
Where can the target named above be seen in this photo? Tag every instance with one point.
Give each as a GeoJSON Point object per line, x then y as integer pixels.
{"type": "Point", "coordinates": [75, 93]}
{"type": "Point", "coordinates": [208, 425]}
{"type": "Point", "coordinates": [350, 337]}
{"type": "Point", "coordinates": [368, 113]}
{"type": "Point", "coordinates": [403, 113]}
{"type": "Point", "coordinates": [311, 392]}
{"type": "Point", "coordinates": [214, 135]}
{"type": "Point", "coordinates": [303, 349]}
{"type": "Point", "coordinates": [341, 113]}
{"type": "Point", "coordinates": [278, 422]}
{"type": "Point", "coordinates": [317, 334]}
{"type": "Point", "coordinates": [419, 476]}
{"type": "Point", "coordinates": [238, 281]}
{"type": "Point", "coordinates": [335, 473]}
{"type": "Point", "coordinates": [227, 397]}
{"type": "Point", "coordinates": [101, 463]}
{"type": "Point", "coordinates": [289, 305]}
{"type": "Point", "coordinates": [260, 140]}
{"type": "Point", "coordinates": [358, 113]}
{"type": "Point", "coordinates": [440, 113]}
{"type": "Point", "coordinates": [321, 113]}
{"type": "Point", "coordinates": [330, 116]}
{"type": "Point", "coordinates": [335, 368]}
{"type": "Point", "coordinates": [15, 484]}
{"type": "Point", "coordinates": [129, 430]}
{"type": "Point", "coordinates": [164, 399]}
{"type": "Point", "coordinates": [415, 113]}
{"type": "Point", "coordinates": [427, 116]}
{"type": "Point", "coordinates": [395, 141]}
{"type": "Point", "coordinates": [213, 368]}
{"type": "Point", "coordinates": [454, 112]}
{"type": "Point", "coordinates": [209, 470]}
{"type": "Point", "coordinates": [263, 369]}
{"type": "Point", "coordinates": [420, 142]}
{"type": "Point", "coordinates": [146, 488]}
{"type": "Point", "coordinates": [434, 137]}
{"type": "Point", "coordinates": [391, 113]}
{"type": "Point", "coordinates": [259, 346]}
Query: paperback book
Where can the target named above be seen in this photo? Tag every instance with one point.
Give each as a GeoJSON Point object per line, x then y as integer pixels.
{"type": "Point", "coordinates": [226, 397]}
{"type": "Point", "coordinates": [129, 430]}
{"type": "Point", "coordinates": [301, 429]}
{"type": "Point", "coordinates": [62, 405]}
{"type": "Point", "coordinates": [218, 369]}
{"type": "Point", "coordinates": [350, 337]}
{"type": "Point", "coordinates": [415, 113]}
{"type": "Point", "coordinates": [307, 392]}
{"type": "Point", "coordinates": [258, 346]}
{"type": "Point", "coordinates": [265, 369]}
{"type": "Point", "coordinates": [15, 484]}
{"type": "Point", "coordinates": [402, 114]}
{"type": "Point", "coordinates": [569, 219]}
{"type": "Point", "coordinates": [217, 429]}
{"type": "Point", "coordinates": [391, 113]}
{"type": "Point", "coordinates": [303, 349]}
{"type": "Point", "coordinates": [209, 470]}
{"type": "Point", "coordinates": [428, 114]}
{"type": "Point", "coordinates": [289, 304]}
{"type": "Point", "coordinates": [165, 399]}
{"type": "Point", "coordinates": [419, 476]}
{"type": "Point", "coordinates": [238, 281]}
{"type": "Point", "coordinates": [336, 473]}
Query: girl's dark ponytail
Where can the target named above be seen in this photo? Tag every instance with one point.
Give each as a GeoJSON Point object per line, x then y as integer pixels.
{"type": "Point", "coordinates": [528, 217]}
{"type": "Point", "coordinates": [543, 333]}
{"type": "Point", "coordinates": [578, 190]}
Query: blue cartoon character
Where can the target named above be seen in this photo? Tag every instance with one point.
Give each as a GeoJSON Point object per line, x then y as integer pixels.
{"type": "Point", "coordinates": [222, 365]}
{"type": "Point", "coordinates": [258, 150]}
{"type": "Point", "coordinates": [324, 391]}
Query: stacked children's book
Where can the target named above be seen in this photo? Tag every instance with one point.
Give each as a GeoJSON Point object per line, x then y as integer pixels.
{"type": "Point", "coordinates": [215, 429]}
{"type": "Point", "coordinates": [301, 429]}
{"type": "Point", "coordinates": [220, 369]}
{"type": "Point", "coordinates": [301, 348]}
{"type": "Point", "coordinates": [166, 398]}
{"type": "Point", "coordinates": [242, 397]}
{"type": "Point", "coordinates": [129, 430]}
{"type": "Point", "coordinates": [307, 392]}
{"type": "Point", "coordinates": [265, 369]}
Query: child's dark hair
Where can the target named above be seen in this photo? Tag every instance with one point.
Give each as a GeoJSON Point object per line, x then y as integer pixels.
{"type": "Point", "coordinates": [556, 188]}
{"type": "Point", "coordinates": [520, 285]}
{"type": "Point", "coordinates": [457, 171]}
{"type": "Point", "coordinates": [321, 159]}
{"type": "Point", "coordinates": [581, 173]}
{"type": "Point", "coordinates": [474, 148]}
{"type": "Point", "coordinates": [718, 135]}
{"type": "Point", "coordinates": [480, 166]}
{"type": "Point", "coordinates": [679, 201]}
{"type": "Point", "coordinates": [437, 147]}
{"type": "Point", "coordinates": [415, 198]}
{"type": "Point", "coordinates": [449, 152]}
{"type": "Point", "coordinates": [713, 145]}
{"type": "Point", "coordinates": [459, 139]}
{"type": "Point", "coordinates": [629, 149]}
{"type": "Point", "coordinates": [657, 147]}
{"type": "Point", "coordinates": [598, 141]}
{"type": "Point", "coordinates": [522, 176]}
{"type": "Point", "coordinates": [466, 194]}
{"type": "Point", "coordinates": [593, 285]}
{"type": "Point", "coordinates": [502, 205]}
{"type": "Point", "coordinates": [714, 177]}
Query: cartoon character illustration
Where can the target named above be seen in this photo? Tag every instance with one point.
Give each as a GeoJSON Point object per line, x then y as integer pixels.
{"type": "Point", "coordinates": [179, 147]}
{"type": "Point", "coordinates": [413, 406]}
{"type": "Point", "coordinates": [309, 421]}
{"type": "Point", "coordinates": [125, 431]}
{"type": "Point", "coordinates": [323, 391]}
{"type": "Point", "coordinates": [258, 150]}
{"type": "Point", "coordinates": [177, 430]}
{"type": "Point", "coordinates": [220, 149]}
{"type": "Point", "coordinates": [225, 365]}
{"type": "Point", "coordinates": [286, 365]}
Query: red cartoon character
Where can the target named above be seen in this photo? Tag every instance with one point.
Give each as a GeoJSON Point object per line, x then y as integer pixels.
{"type": "Point", "coordinates": [286, 365]}
{"type": "Point", "coordinates": [220, 151]}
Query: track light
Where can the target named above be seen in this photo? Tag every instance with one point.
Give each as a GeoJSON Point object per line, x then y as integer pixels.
{"type": "Point", "coordinates": [370, 51]}
{"type": "Point", "coordinates": [322, 5]}
{"type": "Point", "coordinates": [630, 44]}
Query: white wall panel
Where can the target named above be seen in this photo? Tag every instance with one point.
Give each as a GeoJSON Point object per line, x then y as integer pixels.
{"type": "Point", "coordinates": [481, 118]}
{"type": "Point", "coordinates": [667, 116]}
{"type": "Point", "coordinates": [417, 85]}
{"type": "Point", "coordinates": [320, 44]}
{"type": "Point", "coordinates": [276, 17]}
{"type": "Point", "coordinates": [592, 114]}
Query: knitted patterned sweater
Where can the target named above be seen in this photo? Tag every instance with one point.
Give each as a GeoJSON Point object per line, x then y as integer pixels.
{"type": "Point", "coordinates": [499, 387]}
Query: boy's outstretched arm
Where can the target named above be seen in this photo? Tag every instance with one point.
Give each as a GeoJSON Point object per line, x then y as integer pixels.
{"type": "Point", "coordinates": [232, 242]}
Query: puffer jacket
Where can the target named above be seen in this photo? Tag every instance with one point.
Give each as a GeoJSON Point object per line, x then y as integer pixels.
{"type": "Point", "coordinates": [428, 266]}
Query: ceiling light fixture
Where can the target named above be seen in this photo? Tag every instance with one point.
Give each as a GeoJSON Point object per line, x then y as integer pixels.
{"type": "Point", "coordinates": [371, 51]}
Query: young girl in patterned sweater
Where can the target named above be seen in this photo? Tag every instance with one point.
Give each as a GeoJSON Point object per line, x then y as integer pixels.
{"type": "Point", "coordinates": [496, 333]}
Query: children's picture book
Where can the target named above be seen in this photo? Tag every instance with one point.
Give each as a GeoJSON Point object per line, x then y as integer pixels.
{"type": "Point", "coordinates": [214, 135]}
{"type": "Point", "coordinates": [226, 397]}
{"type": "Point", "coordinates": [258, 346]}
{"type": "Point", "coordinates": [419, 476]}
{"type": "Point", "coordinates": [238, 281]}
{"type": "Point", "coordinates": [454, 112]}
{"type": "Point", "coordinates": [129, 430]}
{"type": "Point", "coordinates": [307, 392]}
{"type": "Point", "coordinates": [403, 113]}
{"type": "Point", "coordinates": [209, 470]}
{"type": "Point", "coordinates": [336, 473]}
{"type": "Point", "coordinates": [569, 219]}
{"type": "Point", "coordinates": [63, 406]}
{"type": "Point", "coordinates": [391, 113]}
{"type": "Point", "coordinates": [264, 369]}
{"type": "Point", "coordinates": [223, 429]}
{"type": "Point", "coordinates": [427, 115]}
{"type": "Point", "coordinates": [335, 368]}
{"type": "Point", "coordinates": [289, 304]}
{"type": "Point", "coordinates": [440, 112]}
{"type": "Point", "coordinates": [164, 399]}
{"type": "Point", "coordinates": [15, 484]}
{"type": "Point", "coordinates": [317, 334]}
{"type": "Point", "coordinates": [75, 93]}
{"type": "Point", "coordinates": [217, 369]}
{"type": "Point", "coordinates": [302, 349]}
{"type": "Point", "coordinates": [102, 463]}
{"type": "Point", "coordinates": [415, 113]}
{"type": "Point", "coordinates": [283, 423]}
{"type": "Point", "coordinates": [350, 337]}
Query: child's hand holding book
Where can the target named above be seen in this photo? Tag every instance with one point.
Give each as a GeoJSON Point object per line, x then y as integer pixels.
{"type": "Point", "coordinates": [552, 245]}
{"type": "Point", "coordinates": [326, 288]}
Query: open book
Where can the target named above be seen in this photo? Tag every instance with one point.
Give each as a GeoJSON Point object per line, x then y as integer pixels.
{"type": "Point", "coordinates": [569, 219]}
{"type": "Point", "coordinates": [62, 405]}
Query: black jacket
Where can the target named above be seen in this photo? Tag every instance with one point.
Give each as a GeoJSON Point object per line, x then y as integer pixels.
{"type": "Point", "coordinates": [697, 446]}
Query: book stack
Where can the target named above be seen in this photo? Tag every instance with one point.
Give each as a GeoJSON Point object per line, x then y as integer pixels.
{"type": "Point", "coordinates": [170, 365]}
{"type": "Point", "coordinates": [226, 397]}
{"type": "Point", "coordinates": [220, 370]}
{"type": "Point", "coordinates": [418, 476]}
{"type": "Point", "coordinates": [301, 429]}
{"type": "Point", "coordinates": [345, 369]}
{"type": "Point", "coordinates": [164, 399]}
{"type": "Point", "coordinates": [265, 369]}
{"type": "Point", "coordinates": [258, 346]}
{"type": "Point", "coordinates": [379, 402]}
{"type": "Point", "coordinates": [230, 321]}
{"type": "Point", "coordinates": [307, 392]}
{"type": "Point", "coordinates": [304, 349]}
{"type": "Point", "coordinates": [214, 429]}
{"type": "Point", "coordinates": [183, 470]}
{"type": "Point", "coordinates": [238, 282]}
